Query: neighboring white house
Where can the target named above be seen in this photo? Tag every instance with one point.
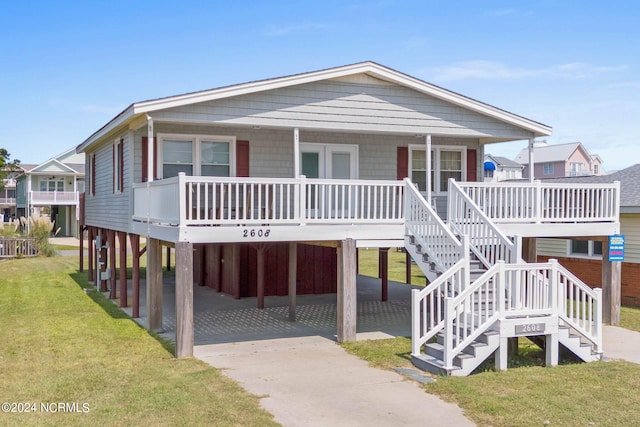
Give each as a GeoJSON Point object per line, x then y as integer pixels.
{"type": "Point", "coordinates": [53, 188]}
{"type": "Point", "coordinates": [497, 168]}
{"type": "Point", "coordinates": [552, 161]}
{"type": "Point", "coordinates": [313, 166]}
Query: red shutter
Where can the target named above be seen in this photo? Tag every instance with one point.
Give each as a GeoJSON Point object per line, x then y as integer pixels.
{"type": "Point", "coordinates": [403, 162]}
{"type": "Point", "coordinates": [93, 174]}
{"type": "Point", "coordinates": [145, 157]}
{"type": "Point", "coordinates": [121, 165]}
{"type": "Point", "coordinates": [113, 168]}
{"type": "Point", "coordinates": [472, 165]}
{"type": "Point", "coordinates": [242, 158]}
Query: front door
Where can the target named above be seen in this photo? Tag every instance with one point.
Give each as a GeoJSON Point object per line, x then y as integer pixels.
{"type": "Point", "coordinates": [328, 161]}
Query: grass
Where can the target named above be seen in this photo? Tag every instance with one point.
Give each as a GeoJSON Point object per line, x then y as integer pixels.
{"type": "Point", "coordinates": [368, 266]}
{"type": "Point", "coordinates": [572, 394]}
{"type": "Point", "coordinates": [60, 344]}
{"type": "Point", "coordinates": [630, 318]}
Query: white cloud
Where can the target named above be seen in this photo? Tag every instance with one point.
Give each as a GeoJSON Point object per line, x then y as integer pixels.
{"type": "Point", "coordinates": [490, 70]}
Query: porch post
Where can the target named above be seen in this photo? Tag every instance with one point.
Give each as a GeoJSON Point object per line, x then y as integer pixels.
{"type": "Point", "coordinates": [531, 163]}
{"type": "Point", "coordinates": [111, 235]}
{"type": "Point", "coordinates": [611, 288]}
{"type": "Point", "coordinates": [347, 304]}
{"type": "Point", "coordinates": [407, 267]}
{"type": "Point", "coordinates": [91, 248]}
{"type": "Point", "coordinates": [384, 273]}
{"type": "Point", "coordinates": [260, 250]}
{"type": "Point", "coordinates": [184, 299]}
{"type": "Point", "coordinates": [296, 153]}
{"type": "Point", "coordinates": [529, 249]}
{"type": "Point", "coordinates": [135, 274]}
{"type": "Point", "coordinates": [293, 276]}
{"type": "Point", "coordinates": [428, 160]}
{"type": "Point", "coordinates": [154, 284]}
{"type": "Point", "coordinates": [150, 152]}
{"type": "Point", "coordinates": [122, 239]}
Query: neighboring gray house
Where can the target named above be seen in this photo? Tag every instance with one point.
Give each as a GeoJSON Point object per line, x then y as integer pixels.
{"type": "Point", "coordinates": [53, 188]}
{"type": "Point", "coordinates": [310, 167]}
{"type": "Point", "coordinates": [584, 256]}
{"type": "Point", "coordinates": [497, 168]}
{"type": "Point", "coordinates": [551, 161]}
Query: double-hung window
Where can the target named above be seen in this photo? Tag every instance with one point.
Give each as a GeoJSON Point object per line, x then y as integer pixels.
{"type": "Point", "coordinates": [196, 155]}
{"type": "Point", "coordinates": [52, 184]}
{"type": "Point", "coordinates": [547, 169]}
{"type": "Point", "coordinates": [446, 162]}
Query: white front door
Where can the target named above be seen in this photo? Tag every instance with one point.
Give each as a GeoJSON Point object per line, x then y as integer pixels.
{"type": "Point", "coordinates": [333, 161]}
{"type": "Point", "coordinates": [328, 161]}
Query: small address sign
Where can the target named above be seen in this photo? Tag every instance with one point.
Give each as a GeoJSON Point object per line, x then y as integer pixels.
{"type": "Point", "coordinates": [256, 232]}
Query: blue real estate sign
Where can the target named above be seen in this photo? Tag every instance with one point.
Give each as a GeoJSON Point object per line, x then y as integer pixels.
{"type": "Point", "coordinates": [616, 248]}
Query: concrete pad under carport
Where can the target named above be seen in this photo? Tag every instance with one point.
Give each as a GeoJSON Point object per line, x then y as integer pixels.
{"type": "Point", "coordinates": [305, 378]}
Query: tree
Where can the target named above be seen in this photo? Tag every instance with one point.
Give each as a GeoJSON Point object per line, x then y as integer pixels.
{"type": "Point", "coordinates": [6, 165]}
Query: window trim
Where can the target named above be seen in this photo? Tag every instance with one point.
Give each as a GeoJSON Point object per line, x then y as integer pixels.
{"type": "Point", "coordinates": [196, 156]}
{"type": "Point", "coordinates": [435, 163]}
{"type": "Point", "coordinates": [117, 175]}
{"type": "Point", "coordinates": [590, 248]}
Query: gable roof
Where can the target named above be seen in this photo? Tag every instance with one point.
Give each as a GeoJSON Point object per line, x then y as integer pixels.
{"type": "Point", "coordinates": [551, 153]}
{"type": "Point", "coordinates": [629, 188]}
{"type": "Point", "coordinates": [503, 161]}
{"type": "Point", "coordinates": [370, 68]}
{"type": "Point", "coordinates": [58, 165]}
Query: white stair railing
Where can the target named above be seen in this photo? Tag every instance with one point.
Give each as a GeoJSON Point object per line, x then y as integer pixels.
{"type": "Point", "coordinates": [579, 306]}
{"type": "Point", "coordinates": [473, 311]}
{"type": "Point", "coordinates": [429, 231]}
{"type": "Point", "coordinates": [487, 242]}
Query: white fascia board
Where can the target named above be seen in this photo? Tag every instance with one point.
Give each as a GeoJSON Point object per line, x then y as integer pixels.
{"type": "Point", "coordinates": [39, 170]}
{"type": "Point", "coordinates": [471, 104]}
{"type": "Point", "coordinates": [243, 89]}
{"type": "Point", "coordinates": [116, 122]}
{"type": "Point", "coordinates": [372, 69]}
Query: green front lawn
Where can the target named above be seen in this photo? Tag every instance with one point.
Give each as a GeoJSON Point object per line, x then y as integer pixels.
{"type": "Point", "coordinates": [60, 344]}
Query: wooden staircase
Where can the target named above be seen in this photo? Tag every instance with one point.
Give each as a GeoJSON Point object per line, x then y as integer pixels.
{"type": "Point", "coordinates": [481, 293]}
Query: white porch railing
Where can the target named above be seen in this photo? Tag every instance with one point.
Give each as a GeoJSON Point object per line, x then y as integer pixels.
{"type": "Point", "coordinates": [543, 202]}
{"type": "Point", "coordinates": [187, 200]}
{"type": "Point", "coordinates": [7, 200]}
{"type": "Point", "coordinates": [53, 197]}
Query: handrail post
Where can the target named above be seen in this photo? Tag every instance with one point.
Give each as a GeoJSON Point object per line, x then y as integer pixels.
{"type": "Point", "coordinates": [302, 200]}
{"type": "Point", "coordinates": [516, 253]}
{"type": "Point", "coordinates": [598, 319]}
{"type": "Point", "coordinates": [538, 209]}
{"type": "Point", "coordinates": [467, 261]}
{"type": "Point", "coordinates": [450, 202]}
{"type": "Point", "coordinates": [448, 332]}
{"type": "Point", "coordinates": [502, 288]}
{"type": "Point", "coordinates": [554, 287]}
{"type": "Point", "coordinates": [182, 199]}
{"type": "Point", "coordinates": [616, 207]}
{"type": "Point", "coordinates": [416, 317]}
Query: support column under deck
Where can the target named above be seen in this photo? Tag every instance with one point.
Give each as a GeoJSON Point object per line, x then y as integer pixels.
{"type": "Point", "coordinates": [184, 299]}
{"type": "Point", "coordinates": [154, 285]}
{"type": "Point", "coordinates": [135, 275]}
{"type": "Point", "coordinates": [384, 273]}
{"type": "Point", "coordinates": [111, 236]}
{"type": "Point", "coordinates": [611, 287]}
{"type": "Point", "coordinates": [293, 276]}
{"type": "Point", "coordinates": [347, 294]}
{"type": "Point", "coordinates": [122, 240]}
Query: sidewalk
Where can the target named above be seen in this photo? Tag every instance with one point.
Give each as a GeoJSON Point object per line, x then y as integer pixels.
{"type": "Point", "coordinates": [311, 381]}
{"type": "Point", "coordinates": [621, 343]}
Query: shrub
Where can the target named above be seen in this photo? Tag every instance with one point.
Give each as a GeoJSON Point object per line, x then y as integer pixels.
{"type": "Point", "coordinates": [41, 227]}
{"type": "Point", "coordinates": [9, 229]}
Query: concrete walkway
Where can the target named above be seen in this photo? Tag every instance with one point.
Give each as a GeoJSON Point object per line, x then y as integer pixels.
{"type": "Point", "coordinates": [621, 344]}
{"type": "Point", "coordinates": [311, 381]}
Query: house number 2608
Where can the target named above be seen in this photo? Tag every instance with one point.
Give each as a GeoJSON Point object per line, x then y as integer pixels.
{"type": "Point", "coordinates": [256, 232]}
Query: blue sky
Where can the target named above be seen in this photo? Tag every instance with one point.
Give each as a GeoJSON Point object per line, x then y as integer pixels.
{"type": "Point", "coordinates": [69, 67]}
